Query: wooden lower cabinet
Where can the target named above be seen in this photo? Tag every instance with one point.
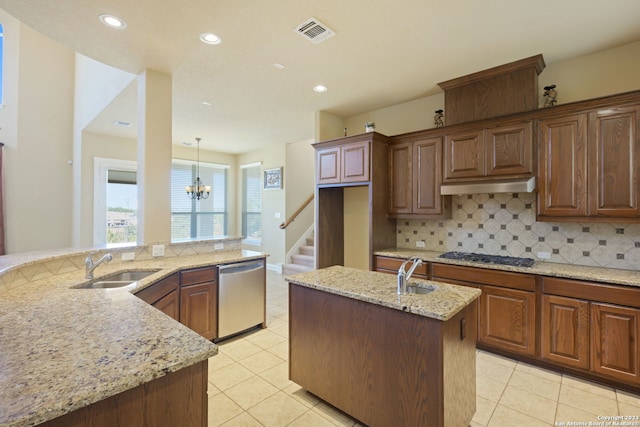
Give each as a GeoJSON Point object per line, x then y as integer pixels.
{"type": "Point", "coordinates": [176, 399]}
{"type": "Point", "coordinates": [507, 319]}
{"type": "Point", "coordinates": [565, 331]}
{"type": "Point", "coordinates": [190, 297]}
{"type": "Point", "coordinates": [198, 307]}
{"type": "Point", "coordinates": [169, 304]}
{"type": "Point", "coordinates": [614, 344]}
{"type": "Point", "coordinates": [391, 265]}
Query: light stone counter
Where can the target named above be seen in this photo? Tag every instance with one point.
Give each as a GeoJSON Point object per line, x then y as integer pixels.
{"type": "Point", "coordinates": [567, 271]}
{"type": "Point", "coordinates": [63, 348]}
{"type": "Point", "coordinates": [379, 288]}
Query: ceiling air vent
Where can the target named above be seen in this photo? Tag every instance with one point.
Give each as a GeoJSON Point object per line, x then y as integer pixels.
{"type": "Point", "coordinates": [314, 30]}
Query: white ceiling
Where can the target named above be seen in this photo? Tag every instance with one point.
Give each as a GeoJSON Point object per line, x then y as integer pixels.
{"type": "Point", "coordinates": [384, 53]}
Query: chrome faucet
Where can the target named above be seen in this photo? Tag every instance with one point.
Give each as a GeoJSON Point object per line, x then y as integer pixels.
{"type": "Point", "coordinates": [404, 276]}
{"type": "Point", "coordinates": [90, 265]}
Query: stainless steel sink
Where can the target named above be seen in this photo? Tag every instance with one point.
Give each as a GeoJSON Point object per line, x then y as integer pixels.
{"type": "Point", "coordinates": [419, 289]}
{"type": "Point", "coordinates": [117, 280]}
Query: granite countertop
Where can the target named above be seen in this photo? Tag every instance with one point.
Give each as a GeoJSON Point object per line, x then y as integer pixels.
{"type": "Point", "coordinates": [380, 288]}
{"type": "Point", "coordinates": [579, 272]}
{"type": "Point", "coordinates": [65, 348]}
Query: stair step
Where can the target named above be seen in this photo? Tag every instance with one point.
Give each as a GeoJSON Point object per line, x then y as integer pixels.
{"type": "Point", "coordinates": [294, 269]}
{"type": "Point", "coordinates": [307, 250]}
{"type": "Point", "coordinates": [306, 260]}
{"type": "Point", "coordinates": [311, 241]}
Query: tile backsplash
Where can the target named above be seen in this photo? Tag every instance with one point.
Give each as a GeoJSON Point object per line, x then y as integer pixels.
{"type": "Point", "coordinates": [505, 224]}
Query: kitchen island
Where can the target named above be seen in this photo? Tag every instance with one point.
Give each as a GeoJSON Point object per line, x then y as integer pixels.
{"type": "Point", "coordinates": [383, 358]}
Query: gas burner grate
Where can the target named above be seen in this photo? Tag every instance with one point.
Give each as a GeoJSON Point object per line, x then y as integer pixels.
{"type": "Point", "coordinates": [489, 259]}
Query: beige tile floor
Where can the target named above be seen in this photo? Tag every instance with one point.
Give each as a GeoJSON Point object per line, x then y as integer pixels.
{"type": "Point", "coordinates": [249, 386]}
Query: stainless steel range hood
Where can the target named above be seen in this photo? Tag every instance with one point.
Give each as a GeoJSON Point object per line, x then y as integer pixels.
{"type": "Point", "coordinates": [525, 185]}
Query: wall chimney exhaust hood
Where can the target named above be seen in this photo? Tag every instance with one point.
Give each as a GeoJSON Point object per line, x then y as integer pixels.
{"type": "Point", "coordinates": [525, 185]}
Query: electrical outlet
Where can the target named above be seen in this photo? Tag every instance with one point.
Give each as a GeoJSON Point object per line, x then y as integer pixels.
{"type": "Point", "coordinates": [544, 255]}
{"type": "Point", "coordinates": [157, 250]}
{"type": "Point", "coordinates": [277, 215]}
{"type": "Point", "coordinates": [128, 256]}
{"type": "Point", "coordinates": [218, 246]}
{"type": "Point", "coordinates": [421, 244]}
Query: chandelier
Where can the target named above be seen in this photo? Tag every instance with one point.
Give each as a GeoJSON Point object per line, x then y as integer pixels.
{"type": "Point", "coordinates": [198, 190]}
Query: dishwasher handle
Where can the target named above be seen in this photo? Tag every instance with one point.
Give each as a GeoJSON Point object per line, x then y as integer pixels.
{"type": "Point", "coordinates": [241, 267]}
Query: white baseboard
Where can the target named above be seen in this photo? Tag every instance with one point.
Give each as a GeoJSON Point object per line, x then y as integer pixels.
{"type": "Point", "coordinates": [275, 267]}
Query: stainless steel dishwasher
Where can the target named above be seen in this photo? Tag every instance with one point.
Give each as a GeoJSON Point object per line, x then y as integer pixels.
{"type": "Point", "coordinates": [241, 296]}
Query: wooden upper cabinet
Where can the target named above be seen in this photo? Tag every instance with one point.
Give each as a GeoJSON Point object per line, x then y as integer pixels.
{"type": "Point", "coordinates": [501, 151]}
{"type": "Point", "coordinates": [344, 162]}
{"type": "Point", "coordinates": [562, 175]}
{"type": "Point", "coordinates": [355, 162]}
{"type": "Point", "coordinates": [416, 175]}
{"type": "Point", "coordinates": [614, 138]}
{"type": "Point", "coordinates": [427, 178]}
{"type": "Point", "coordinates": [328, 165]}
{"type": "Point", "coordinates": [400, 184]}
{"type": "Point", "coordinates": [464, 155]}
{"type": "Point", "coordinates": [509, 150]}
{"type": "Point", "coordinates": [588, 167]}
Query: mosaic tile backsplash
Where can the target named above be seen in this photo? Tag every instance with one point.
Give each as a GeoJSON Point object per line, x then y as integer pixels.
{"type": "Point", "coordinates": [505, 224]}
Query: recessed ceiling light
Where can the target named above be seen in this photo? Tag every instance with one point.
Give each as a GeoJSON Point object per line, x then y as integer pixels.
{"type": "Point", "coordinates": [207, 103]}
{"type": "Point", "coordinates": [320, 88]}
{"type": "Point", "coordinates": [279, 65]}
{"type": "Point", "coordinates": [113, 21]}
{"type": "Point", "coordinates": [210, 38]}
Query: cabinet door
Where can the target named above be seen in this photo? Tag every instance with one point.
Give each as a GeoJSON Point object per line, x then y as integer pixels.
{"type": "Point", "coordinates": [614, 344]}
{"type": "Point", "coordinates": [328, 165]}
{"type": "Point", "coordinates": [614, 138]}
{"type": "Point", "coordinates": [565, 331]}
{"type": "Point", "coordinates": [507, 319]}
{"type": "Point", "coordinates": [464, 155]}
{"type": "Point", "coordinates": [198, 308]}
{"type": "Point", "coordinates": [355, 162]}
{"type": "Point", "coordinates": [562, 187]}
{"type": "Point", "coordinates": [427, 167]}
{"type": "Point", "coordinates": [400, 191]}
{"type": "Point", "coordinates": [169, 305]}
{"type": "Point", "coordinates": [509, 150]}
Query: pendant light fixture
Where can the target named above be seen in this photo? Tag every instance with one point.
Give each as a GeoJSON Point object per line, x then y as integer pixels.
{"type": "Point", "coordinates": [198, 190]}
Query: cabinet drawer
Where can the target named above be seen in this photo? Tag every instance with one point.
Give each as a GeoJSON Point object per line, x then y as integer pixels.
{"type": "Point", "coordinates": [473, 275]}
{"type": "Point", "coordinates": [197, 275]}
{"type": "Point", "coordinates": [612, 294]}
{"type": "Point", "coordinates": [391, 265]}
{"type": "Point", "coordinates": [155, 292]}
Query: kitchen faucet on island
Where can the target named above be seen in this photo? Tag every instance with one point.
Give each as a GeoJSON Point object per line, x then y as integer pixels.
{"type": "Point", "coordinates": [90, 265]}
{"type": "Point", "coordinates": [404, 276]}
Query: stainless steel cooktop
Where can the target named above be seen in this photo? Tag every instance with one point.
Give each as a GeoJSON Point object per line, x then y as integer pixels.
{"type": "Point", "coordinates": [489, 259]}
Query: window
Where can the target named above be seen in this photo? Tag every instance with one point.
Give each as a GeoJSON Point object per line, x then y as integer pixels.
{"type": "Point", "coordinates": [251, 204]}
{"type": "Point", "coordinates": [198, 219]}
{"type": "Point", "coordinates": [122, 207]}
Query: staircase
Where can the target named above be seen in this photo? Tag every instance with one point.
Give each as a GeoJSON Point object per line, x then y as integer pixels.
{"type": "Point", "coordinates": [303, 261]}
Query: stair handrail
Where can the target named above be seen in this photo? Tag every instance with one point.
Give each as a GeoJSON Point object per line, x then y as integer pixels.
{"type": "Point", "coordinates": [297, 212]}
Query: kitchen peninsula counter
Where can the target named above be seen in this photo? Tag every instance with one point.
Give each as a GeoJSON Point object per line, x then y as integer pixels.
{"type": "Point", "coordinates": [64, 348]}
{"type": "Point", "coordinates": [385, 359]}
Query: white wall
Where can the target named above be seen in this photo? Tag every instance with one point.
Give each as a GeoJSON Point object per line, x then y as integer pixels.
{"type": "Point", "coordinates": [299, 181]}
{"type": "Point", "coordinates": [36, 123]}
{"type": "Point", "coordinates": [273, 201]}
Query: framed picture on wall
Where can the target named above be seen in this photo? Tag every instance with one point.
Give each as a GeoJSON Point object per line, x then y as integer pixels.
{"type": "Point", "coordinates": [273, 179]}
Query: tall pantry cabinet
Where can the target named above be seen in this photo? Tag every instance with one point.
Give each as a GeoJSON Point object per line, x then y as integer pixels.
{"type": "Point", "coordinates": [358, 162]}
